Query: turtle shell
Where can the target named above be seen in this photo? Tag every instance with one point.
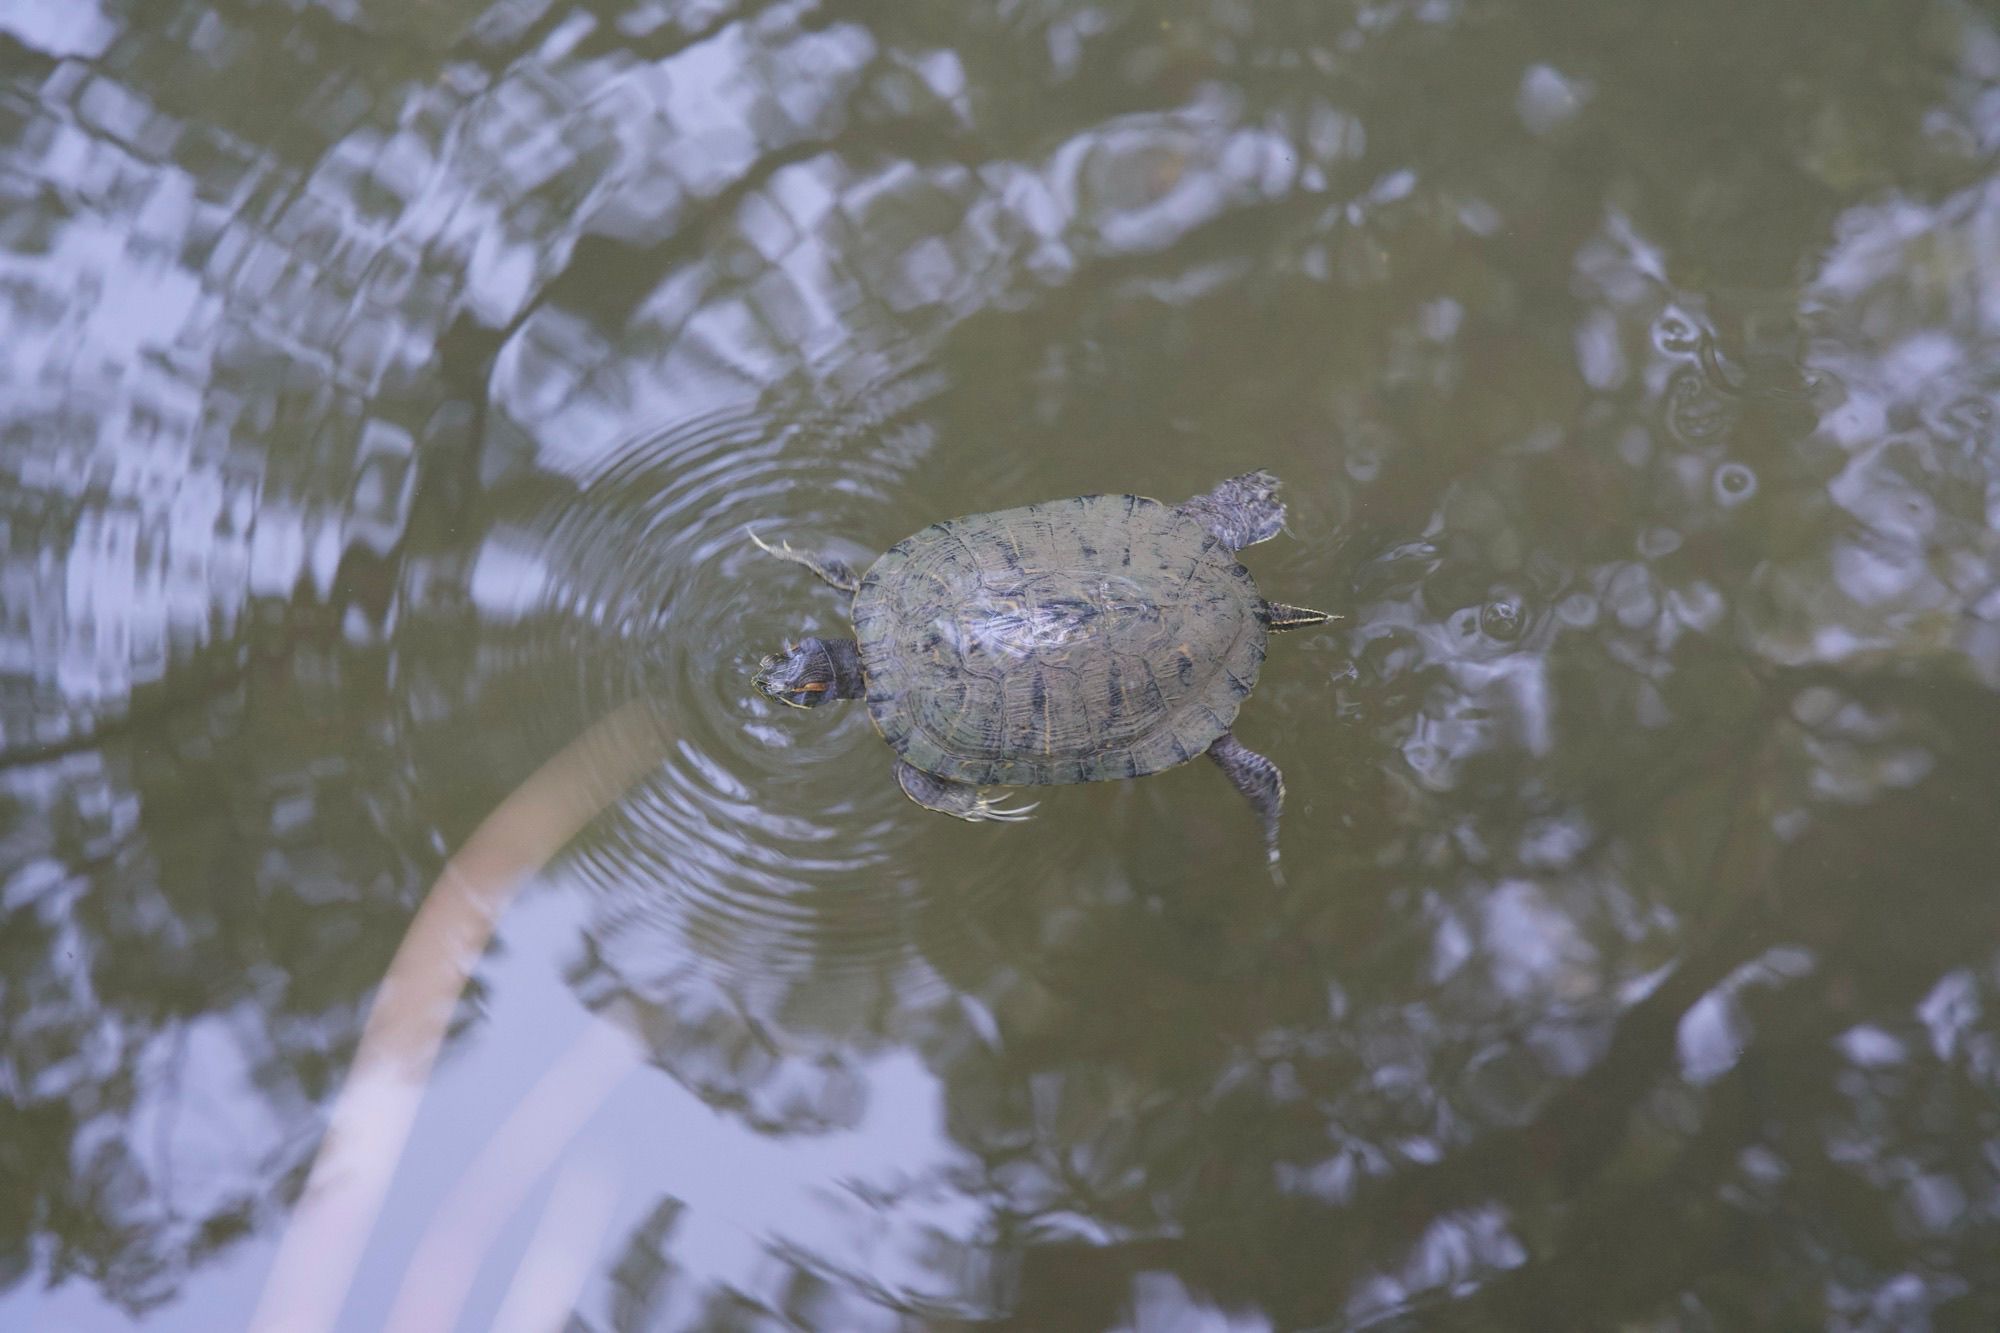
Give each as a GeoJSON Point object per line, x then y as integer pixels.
{"type": "Point", "coordinates": [1106, 636]}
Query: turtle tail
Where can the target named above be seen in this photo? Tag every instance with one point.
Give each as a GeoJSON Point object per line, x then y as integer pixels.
{"type": "Point", "coordinates": [1278, 616]}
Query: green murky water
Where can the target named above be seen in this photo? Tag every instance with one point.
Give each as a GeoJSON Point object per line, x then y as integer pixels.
{"type": "Point", "coordinates": [387, 384]}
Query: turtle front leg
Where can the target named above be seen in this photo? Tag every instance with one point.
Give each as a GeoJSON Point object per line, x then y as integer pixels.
{"type": "Point", "coordinates": [1261, 784]}
{"type": "Point", "coordinates": [1242, 511]}
{"type": "Point", "coordinates": [960, 799]}
{"type": "Point", "coordinates": [836, 572]}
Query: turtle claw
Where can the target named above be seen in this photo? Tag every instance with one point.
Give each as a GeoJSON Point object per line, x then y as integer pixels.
{"type": "Point", "coordinates": [1003, 814]}
{"type": "Point", "coordinates": [783, 550]}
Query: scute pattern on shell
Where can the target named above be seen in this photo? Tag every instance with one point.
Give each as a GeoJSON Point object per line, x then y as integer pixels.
{"type": "Point", "coordinates": [1105, 636]}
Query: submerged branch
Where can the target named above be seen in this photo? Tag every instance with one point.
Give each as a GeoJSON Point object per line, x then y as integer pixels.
{"type": "Point", "coordinates": [406, 1026]}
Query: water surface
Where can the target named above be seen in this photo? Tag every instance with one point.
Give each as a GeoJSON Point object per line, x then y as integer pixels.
{"type": "Point", "coordinates": [387, 386]}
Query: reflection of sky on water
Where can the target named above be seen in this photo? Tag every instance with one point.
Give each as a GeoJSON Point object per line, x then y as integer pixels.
{"type": "Point", "coordinates": [387, 389]}
{"type": "Point", "coordinates": [81, 29]}
{"type": "Point", "coordinates": [743, 1190]}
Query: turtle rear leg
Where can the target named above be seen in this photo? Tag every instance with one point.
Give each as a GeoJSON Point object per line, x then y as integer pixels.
{"type": "Point", "coordinates": [1242, 511]}
{"type": "Point", "coordinates": [961, 799]}
{"type": "Point", "coordinates": [836, 572]}
{"type": "Point", "coordinates": [1261, 784]}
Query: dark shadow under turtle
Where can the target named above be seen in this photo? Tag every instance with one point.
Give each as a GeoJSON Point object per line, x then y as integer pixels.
{"type": "Point", "coordinates": [1104, 636]}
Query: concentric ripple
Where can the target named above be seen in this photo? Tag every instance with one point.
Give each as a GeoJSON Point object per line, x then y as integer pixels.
{"type": "Point", "coordinates": [770, 838]}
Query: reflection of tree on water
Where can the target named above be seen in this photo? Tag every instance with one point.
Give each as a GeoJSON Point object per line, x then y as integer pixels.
{"type": "Point", "coordinates": [1712, 1038]}
{"type": "Point", "coordinates": [1800, 1089]}
{"type": "Point", "coordinates": [1569, 1132]}
{"type": "Point", "coordinates": [158, 1061]}
{"type": "Point", "coordinates": [1639, 1179]}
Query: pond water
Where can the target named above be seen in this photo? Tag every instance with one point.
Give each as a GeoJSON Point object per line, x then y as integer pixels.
{"type": "Point", "coordinates": [387, 387]}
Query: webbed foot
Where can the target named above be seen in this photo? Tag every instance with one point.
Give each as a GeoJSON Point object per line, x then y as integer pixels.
{"type": "Point", "coordinates": [838, 573]}
{"type": "Point", "coordinates": [1242, 511]}
{"type": "Point", "coordinates": [959, 799]}
{"type": "Point", "coordinates": [1261, 784]}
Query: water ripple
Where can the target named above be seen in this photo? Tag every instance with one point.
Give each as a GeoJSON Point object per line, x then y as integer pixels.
{"type": "Point", "coordinates": [769, 840]}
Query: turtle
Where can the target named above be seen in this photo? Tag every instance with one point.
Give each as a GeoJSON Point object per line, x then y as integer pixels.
{"type": "Point", "coordinates": [1077, 640]}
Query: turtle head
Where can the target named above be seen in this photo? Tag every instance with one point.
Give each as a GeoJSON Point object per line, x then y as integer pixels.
{"type": "Point", "coordinates": [811, 672]}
